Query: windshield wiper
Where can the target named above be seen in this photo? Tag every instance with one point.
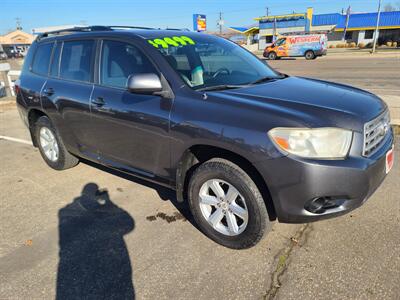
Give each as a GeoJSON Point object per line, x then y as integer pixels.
{"type": "Point", "coordinates": [219, 87]}
{"type": "Point", "coordinates": [267, 78]}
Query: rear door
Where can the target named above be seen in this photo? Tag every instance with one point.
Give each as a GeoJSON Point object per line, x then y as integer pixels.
{"type": "Point", "coordinates": [132, 130]}
{"type": "Point", "coordinates": [66, 95]}
{"type": "Point", "coordinates": [34, 76]}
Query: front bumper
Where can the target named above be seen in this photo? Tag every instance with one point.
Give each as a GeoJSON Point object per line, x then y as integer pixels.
{"type": "Point", "coordinates": [293, 182]}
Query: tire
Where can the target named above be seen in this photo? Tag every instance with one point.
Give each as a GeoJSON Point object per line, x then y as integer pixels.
{"type": "Point", "coordinates": [63, 160]}
{"type": "Point", "coordinates": [272, 56]}
{"type": "Point", "coordinates": [229, 175]}
{"type": "Point", "coordinates": [309, 55]}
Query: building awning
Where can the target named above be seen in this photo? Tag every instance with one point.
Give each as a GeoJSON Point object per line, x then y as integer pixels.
{"type": "Point", "coordinates": [359, 21]}
{"type": "Point", "coordinates": [280, 18]}
{"type": "Point", "coordinates": [245, 30]}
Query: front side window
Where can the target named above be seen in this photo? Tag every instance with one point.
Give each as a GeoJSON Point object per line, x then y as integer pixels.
{"type": "Point", "coordinates": [41, 60]}
{"type": "Point", "coordinates": [120, 60]}
{"type": "Point", "coordinates": [204, 62]}
{"type": "Point", "coordinates": [76, 60]}
{"type": "Point", "coordinates": [280, 42]}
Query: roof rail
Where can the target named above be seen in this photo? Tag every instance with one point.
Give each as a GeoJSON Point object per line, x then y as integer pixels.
{"type": "Point", "coordinates": [87, 29]}
{"type": "Point", "coordinates": [73, 29]}
{"type": "Point", "coordinates": [130, 27]}
{"type": "Point", "coordinates": [178, 29]}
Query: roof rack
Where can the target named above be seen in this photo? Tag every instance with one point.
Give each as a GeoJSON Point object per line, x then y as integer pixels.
{"type": "Point", "coordinates": [130, 27]}
{"type": "Point", "coordinates": [87, 29]}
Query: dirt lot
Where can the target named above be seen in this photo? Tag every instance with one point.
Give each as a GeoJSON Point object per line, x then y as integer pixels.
{"type": "Point", "coordinates": [55, 242]}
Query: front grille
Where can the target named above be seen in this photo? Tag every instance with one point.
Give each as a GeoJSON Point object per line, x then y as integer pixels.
{"type": "Point", "coordinates": [375, 132]}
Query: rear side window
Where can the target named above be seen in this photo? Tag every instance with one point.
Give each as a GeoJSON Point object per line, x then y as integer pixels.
{"type": "Point", "coordinates": [41, 60]}
{"type": "Point", "coordinates": [76, 60]}
{"type": "Point", "coordinates": [119, 61]}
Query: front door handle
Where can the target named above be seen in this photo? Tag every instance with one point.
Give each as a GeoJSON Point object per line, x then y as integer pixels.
{"type": "Point", "coordinates": [99, 101]}
{"type": "Point", "coordinates": [48, 91]}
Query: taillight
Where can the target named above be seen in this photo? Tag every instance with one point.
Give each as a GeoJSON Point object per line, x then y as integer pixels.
{"type": "Point", "coordinates": [16, 87]}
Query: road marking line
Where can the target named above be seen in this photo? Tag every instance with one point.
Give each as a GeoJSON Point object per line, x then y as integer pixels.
{"type": "Point", "coordinates": [8, 138]}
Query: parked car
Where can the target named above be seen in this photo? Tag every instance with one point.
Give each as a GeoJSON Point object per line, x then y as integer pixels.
{"type": "Point", "coordinates": [310, 46]}
{"type": "Point", "coordinates": [243, 144]}
{"type": "Point", "coordinates": [3, 56]}
{"type": "Point", "coordinates": [2, 90]}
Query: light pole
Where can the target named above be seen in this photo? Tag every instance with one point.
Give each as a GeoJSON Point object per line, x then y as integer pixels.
{"type": "Point", "coordinates": [377, 27]}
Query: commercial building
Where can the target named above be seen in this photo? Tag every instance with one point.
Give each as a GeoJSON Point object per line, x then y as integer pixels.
{"type": "Point", "coordinates": [351, 27]}
{"type": "Point", "coordinates": [40, 30]}
{"type": "Point", "coordinates": [16, 41]}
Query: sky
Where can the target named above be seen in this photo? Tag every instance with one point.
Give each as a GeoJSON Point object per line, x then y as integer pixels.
{"type": "Point", "coordinates": [161, 14]}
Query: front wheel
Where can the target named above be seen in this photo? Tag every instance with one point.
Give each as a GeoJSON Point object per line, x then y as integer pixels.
{"type": "Point", "coordinates": [51, 146]}
{"type": "Point", "coordinates": [227, 205]}
{"type": "Point", "coordinates": [272, 56]}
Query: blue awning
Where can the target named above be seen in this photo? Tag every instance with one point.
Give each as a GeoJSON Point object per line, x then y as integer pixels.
{"type": "Point", "coordinates": [358, 20]}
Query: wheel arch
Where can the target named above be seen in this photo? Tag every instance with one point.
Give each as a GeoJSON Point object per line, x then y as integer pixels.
{"type": "Point", "coordinates": [310, 50]}
{"type": "Point", "coordinates": [197, 154]}
{"type": "Point", "coordinates": [274, 52]}
{"type": "Point", "coordinates": [33, 115]}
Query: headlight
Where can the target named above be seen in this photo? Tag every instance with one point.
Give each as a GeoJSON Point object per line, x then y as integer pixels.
{"type": "Point", "coordinates": [321, 143]}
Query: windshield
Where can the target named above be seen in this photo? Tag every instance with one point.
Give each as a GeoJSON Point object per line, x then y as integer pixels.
{"type": "Point", "coordinates": [206, 61]}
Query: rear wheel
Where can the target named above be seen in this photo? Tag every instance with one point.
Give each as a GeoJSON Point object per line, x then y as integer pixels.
{"type": "Point", "coordinates": [272, 56]}
{"type": "Point", "coordinates": [310, 55]}
{"type": "Point", "coordinates": [227, 205]}
{"type": "Point", "coordinates": [51, 146]}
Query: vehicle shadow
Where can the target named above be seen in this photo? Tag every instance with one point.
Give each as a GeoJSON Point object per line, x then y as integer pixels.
{"type": "Point", "coordinates": [282, 58]}
{"type": "Point", "coordinates": [164, 193]}
{"type": "Point", "coordinates": [94, 261]}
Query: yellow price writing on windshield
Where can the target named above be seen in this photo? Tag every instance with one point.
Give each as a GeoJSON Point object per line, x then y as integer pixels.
{"type": "Point", "coordinates": [174, 41]}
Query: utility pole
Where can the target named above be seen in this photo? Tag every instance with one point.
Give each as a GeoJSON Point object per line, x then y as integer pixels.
{"type": "Point", "coordinates": [377, 27]}
{"type": "Point", "coordinates": [267, 8]}
{"type": "Point", "coordinates": [220, 23]}
{"type": "Point", "coordinates": [18, 21]}
{"type": "Point", "coordinates": [348, 12]}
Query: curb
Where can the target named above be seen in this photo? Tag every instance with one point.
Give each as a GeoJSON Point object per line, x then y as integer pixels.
{"type": "Point", "coordinates": [6, 102]}
{"type": "Point", "coordinates": [396, 129]}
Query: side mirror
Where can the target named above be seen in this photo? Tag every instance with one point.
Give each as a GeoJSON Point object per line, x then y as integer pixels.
{"type": "Point", "coordinates": [147, 83]}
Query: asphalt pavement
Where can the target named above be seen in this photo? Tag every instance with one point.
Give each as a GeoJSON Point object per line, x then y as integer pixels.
{"type": "Point", "coordinates": [55, 241]}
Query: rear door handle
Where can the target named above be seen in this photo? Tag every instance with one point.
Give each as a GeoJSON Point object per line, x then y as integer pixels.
{"type": "Point", "coordinates": [48, 91]}
{"type": "Point", "coordinates": [99, 101]}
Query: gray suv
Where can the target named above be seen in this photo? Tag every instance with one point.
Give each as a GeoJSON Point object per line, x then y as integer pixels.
{"type": "Point", "coordinates": [243, 144]}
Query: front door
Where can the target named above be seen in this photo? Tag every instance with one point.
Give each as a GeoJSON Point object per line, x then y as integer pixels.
{"type": "Point", "coordinates": [132, 130]}
{"type": "Point", "coordinates": [281, 48]}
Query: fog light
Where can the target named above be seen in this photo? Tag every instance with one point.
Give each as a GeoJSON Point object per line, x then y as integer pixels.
{"type": "Point", "coordinates": [322, 204]}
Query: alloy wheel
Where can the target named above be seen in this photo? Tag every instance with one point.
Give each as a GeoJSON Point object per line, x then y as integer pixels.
{"type": "Point", "coordinates": [223, 207]}
{"type": "Point", "coordinates": [48, 143]}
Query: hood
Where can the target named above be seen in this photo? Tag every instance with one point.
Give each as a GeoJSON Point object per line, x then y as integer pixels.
{"type": "Point", "coordinates": [315, 97]}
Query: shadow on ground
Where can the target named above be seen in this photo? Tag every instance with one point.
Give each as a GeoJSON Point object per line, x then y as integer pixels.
{"type": "Point", "coordinates": [164, 193]}
{"type": "Point", "coordinates": [94, 260]}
